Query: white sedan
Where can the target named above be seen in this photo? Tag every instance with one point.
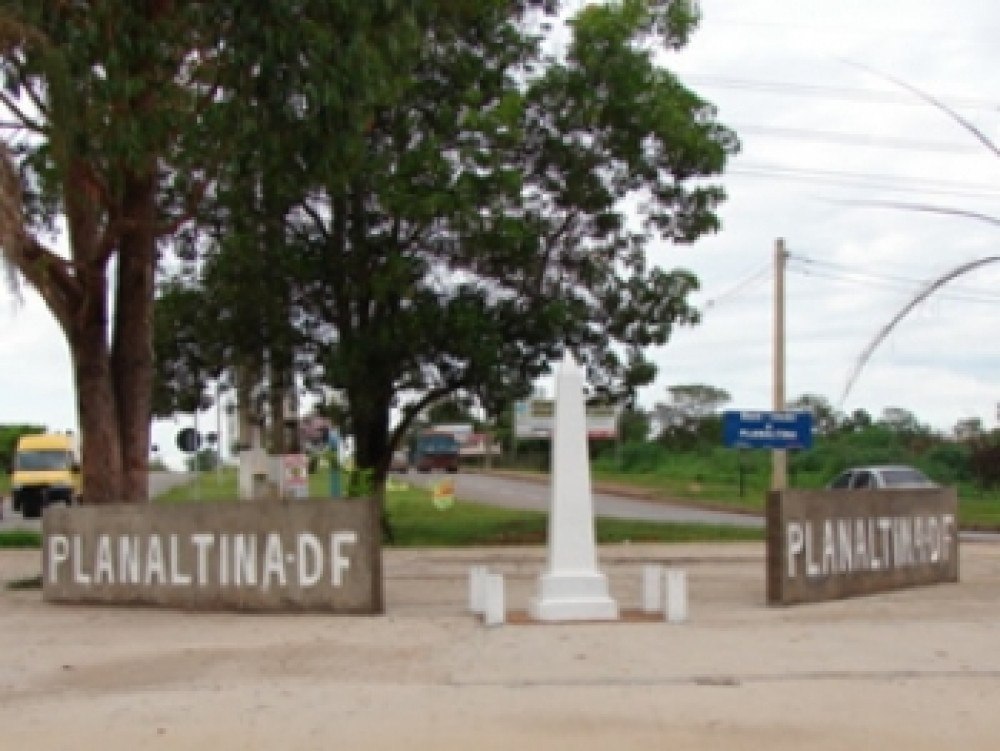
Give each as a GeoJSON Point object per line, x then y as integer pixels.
{"type": "Point", "coordinates": [881, 477]}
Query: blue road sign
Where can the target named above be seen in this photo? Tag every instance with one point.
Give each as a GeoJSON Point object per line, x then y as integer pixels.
{"type": "Point", "coordinates": [767, 430]}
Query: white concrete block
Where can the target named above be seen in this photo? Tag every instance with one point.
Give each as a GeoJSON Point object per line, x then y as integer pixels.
{"type": "Point", "coordinates": [477, 589]}
{"type": "Point", "coordinates": [652, 588]}
{"type": "Point", "coordinates": [676, 610]}
{"type": "Point", "coordinates": [495, 610]}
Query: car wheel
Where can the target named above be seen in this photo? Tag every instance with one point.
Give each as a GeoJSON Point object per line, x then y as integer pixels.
{"type": "Point", "coordinates": [31, 509]}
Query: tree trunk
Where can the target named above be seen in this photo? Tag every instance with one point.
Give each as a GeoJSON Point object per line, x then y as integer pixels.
{"type": "Point", "coordinates": [370, 425]}
{"type": "Point", "coordinates": [96, 408]}
{"type": "Point", "coordinates": [132, 355]}
{"type": "Point", "coordinates": [248, 417]}
{"type": "Point", "coordinates": [277, 443]}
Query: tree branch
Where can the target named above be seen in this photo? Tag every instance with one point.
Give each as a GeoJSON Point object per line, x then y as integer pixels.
{"type": "Point", "coordinates": [317, 220]}
{"type": "Point", "coordinates": [411, 411]}
{"type": "Point", "coordinates": [26, 122]}
{"type": "Point", "coordinates": [36, 101]}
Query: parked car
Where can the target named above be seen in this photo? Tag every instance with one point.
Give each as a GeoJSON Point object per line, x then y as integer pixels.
{"type": "Point", "coordinates": [400, 461]}
{"type": "Point", "coordinates": [881, 477]}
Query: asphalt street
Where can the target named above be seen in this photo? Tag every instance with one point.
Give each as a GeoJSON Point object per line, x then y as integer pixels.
{"type": "Point", "coordinates": [533, 495]}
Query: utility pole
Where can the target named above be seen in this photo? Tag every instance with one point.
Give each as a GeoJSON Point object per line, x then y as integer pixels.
{"type": "Point", "coordinates": [218, 429]}
{"type": "Point", "coordinates": [779, 457]}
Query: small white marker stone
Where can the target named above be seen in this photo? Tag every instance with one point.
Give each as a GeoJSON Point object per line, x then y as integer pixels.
{"type": "Point", "coordinates": [477, 589]}
{"type": "Point", "coordinates": [676, 610]}
{"type": "Point", "coordinates": [495, 612]}
{"type": "Point", "coordinates": [652, 588]}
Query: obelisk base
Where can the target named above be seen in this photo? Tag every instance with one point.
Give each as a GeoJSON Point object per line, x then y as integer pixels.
{"type": "Point", "coordinates": [573, 597]}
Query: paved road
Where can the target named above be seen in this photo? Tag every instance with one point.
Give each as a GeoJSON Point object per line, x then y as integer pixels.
{"type": "Point", "coordinates": [509, 492]}
{"type": "Point", "coordinates": [159, 482]}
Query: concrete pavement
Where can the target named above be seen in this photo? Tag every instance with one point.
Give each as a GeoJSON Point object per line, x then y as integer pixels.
{"type": "Point", "coordinates": [915, 669]}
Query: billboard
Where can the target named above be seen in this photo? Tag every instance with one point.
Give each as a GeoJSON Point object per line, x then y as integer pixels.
{"type": "Point", "coordinates": [533, 418]}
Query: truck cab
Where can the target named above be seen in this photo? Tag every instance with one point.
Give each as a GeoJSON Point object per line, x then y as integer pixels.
{"type": "Point", "coordinates": [435, 451]}
{"type": "Point", "coordinates": [46, 470]}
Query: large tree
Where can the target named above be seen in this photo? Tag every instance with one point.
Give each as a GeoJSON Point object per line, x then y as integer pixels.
{"type": "Point", "coordinates": [498, 201]}
{"type": "Point", "coordinates": [94, 98]}
{"type": "Point", "coordinates": [455, 219]}
{"type": "Point", "coordinates": [297, 83]}
{"type": "Point", "coordinates": [517, 216]}
{"type": "Point", "coordinates": [115, 123]}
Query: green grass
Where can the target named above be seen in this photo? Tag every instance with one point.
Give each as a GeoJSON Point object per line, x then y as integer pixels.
{"type": "Point", "coordinates": [416, 522]}
{"type": "Point", "coordinates": [207, 486]}
{"type": "Point", "coordinates": [710, 478]}
{"type": "Point", "coordinates": [20, 538]}
{"type": "Point", "coordinates": [979, 513]}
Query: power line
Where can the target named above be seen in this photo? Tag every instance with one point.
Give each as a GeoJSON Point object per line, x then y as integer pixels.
{"type": "Point", "coordinates": [899, 30]}
{"type": "Point", "coordinates": [807, 266]}
{"type": "Point", "coordinates": [754, 278]}
{"type": "Point", "coordinates": [863, 96]}
{"type": "Point", "coordinates": [868, 180]}
{"type": "Point", "coordinates": [987, 299]}
{"type": "Point", "coordinates": [857, 139]}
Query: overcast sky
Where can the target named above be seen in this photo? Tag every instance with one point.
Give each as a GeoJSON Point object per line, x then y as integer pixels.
{"type": "Point", "coordinates": [823, 140]}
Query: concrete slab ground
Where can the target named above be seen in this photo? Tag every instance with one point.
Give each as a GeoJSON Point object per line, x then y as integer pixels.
{"type": "Point", "coordinates": [916, 669]}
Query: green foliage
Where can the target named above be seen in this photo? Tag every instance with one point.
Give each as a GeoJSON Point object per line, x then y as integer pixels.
{"type": "Point", "coordinates": [984, 461]}
{"type": "Point", "coordinates": [105, 97]}
{"type": "Point", "coordinates": [8, 442]}
{"type": "Point", "coordinates": [205, 460]}
{"type": "Point", "coordinates": [359, 483]}
{"type": "Point", "coordinates": [186, 361]}
{"type": "Point", "coordinates": [715, 475]}
{"type": "Point", "coordinates": [633, 425]}
{"type": "Point", "coordinates": [468, 220]}
{"type": "Point", "coordinates": [824, 416]}
{"type": "Point", "coordinates": [691, 419]}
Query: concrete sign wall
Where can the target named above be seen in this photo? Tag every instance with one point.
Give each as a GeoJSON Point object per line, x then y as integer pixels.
{"type": "Point", "coordinates": [824, 545]}
{"type": "Point", "coordinates": [300, 555]}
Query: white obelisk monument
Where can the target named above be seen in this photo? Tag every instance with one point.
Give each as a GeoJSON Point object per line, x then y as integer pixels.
{"type": "Point", "coordinates": [571, 589]}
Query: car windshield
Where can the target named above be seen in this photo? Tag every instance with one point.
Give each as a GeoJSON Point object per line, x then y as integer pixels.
{"type": "Point", "coordinates": [438, 444]}
{"type": "Point", "coordinates": [904, 476]}
{"type": "Point", "coordinates": [41, 461]}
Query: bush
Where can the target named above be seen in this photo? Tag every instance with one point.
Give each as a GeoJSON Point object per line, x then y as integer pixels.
{"type": "Point", "coordinates": [984, 463]}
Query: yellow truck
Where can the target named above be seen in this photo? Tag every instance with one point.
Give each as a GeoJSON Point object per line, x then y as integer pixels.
{"type": "Point", "coordinates": [46, 470]}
